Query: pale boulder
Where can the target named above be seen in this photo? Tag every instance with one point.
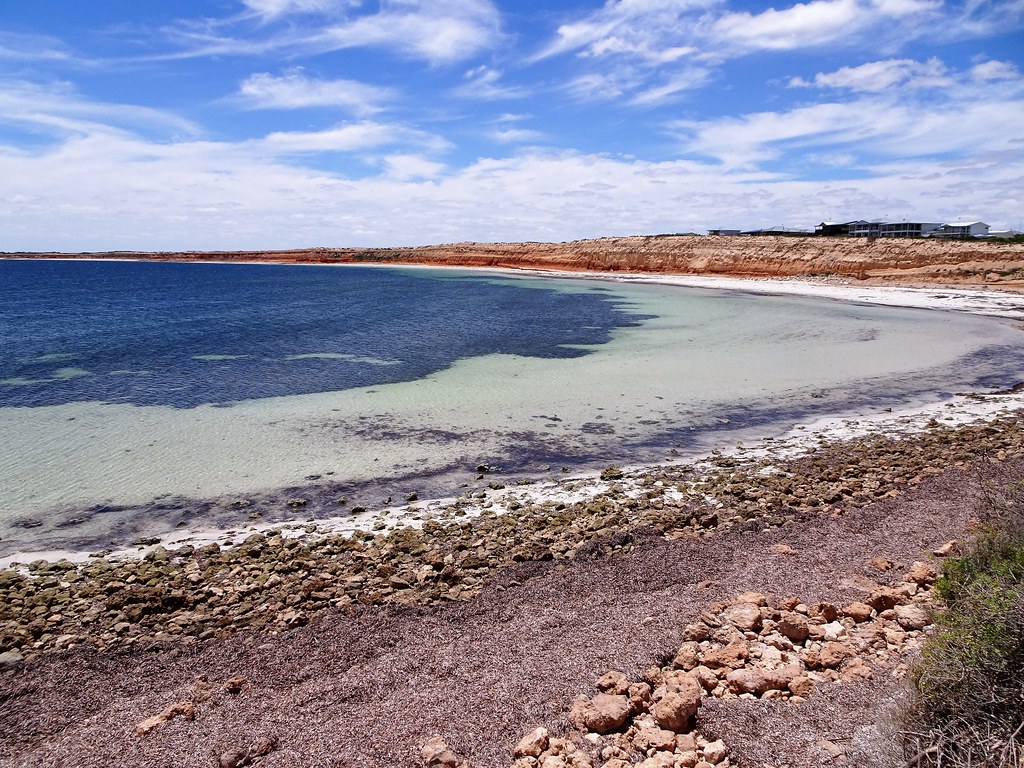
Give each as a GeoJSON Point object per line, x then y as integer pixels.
{"type": "Point", "coordinates": [678, 705]}
{"type": "Point", "coordinates": [715, 752]}
{"type": "Point", "coordinates": [912, 617]}
{"type": "Point", "coordinates": [613, 682]}
{"type": "Point", "coordinates": [746, 617]}
{"type": "Point", "coordinates": [921, 573]}
{"type": "Point", "coordinates": [602, 714]}
{"type": "Point", "coordinates": [757, 680]}
{"type": "Point", "coordinates": [532, 744]}
{"type": "Point", "coordinates": [793, 626]}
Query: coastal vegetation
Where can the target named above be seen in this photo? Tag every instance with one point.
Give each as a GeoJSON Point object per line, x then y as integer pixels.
{"type": "Point", "coordinates": [969, 683]}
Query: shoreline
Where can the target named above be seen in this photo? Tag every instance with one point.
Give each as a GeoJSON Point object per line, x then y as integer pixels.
{"type": "Point", "coordinates": [892, 261]}
{"type": "Point", "coordinates": [829, 426]}
{"type": "Point", "coordinates": [797, 441]}
{"type": "Point", "coordinates": [478, 630]}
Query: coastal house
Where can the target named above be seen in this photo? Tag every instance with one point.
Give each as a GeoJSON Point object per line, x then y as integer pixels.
{"type": "Point", "coordinates": [724, 232]}
{"type": "Point", "coordinates": [834, 228]}
{"type": "Point", "coordinates": [865, 228]}
{"type": "Point", "coordinates": [1004, 234]}
{"type": "Point", "coordinates": [777, 230]}
{"type": "Point", "coordinates": [962, 230]}
{"type": "Point", "coordinates": [908, 228]}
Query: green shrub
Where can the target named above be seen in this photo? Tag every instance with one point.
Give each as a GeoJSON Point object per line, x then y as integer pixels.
{"type": "Point", "coordinates": [968, 708]}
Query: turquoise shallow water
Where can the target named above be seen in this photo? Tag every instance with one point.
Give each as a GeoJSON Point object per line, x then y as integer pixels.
{"type": "Point", "coordinates": [524, 373]}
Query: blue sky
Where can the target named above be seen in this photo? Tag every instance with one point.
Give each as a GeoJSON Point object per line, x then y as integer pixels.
{"type": "Point", "coordinates": [299, 123]}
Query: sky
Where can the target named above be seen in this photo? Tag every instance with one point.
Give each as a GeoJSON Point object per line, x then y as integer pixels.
{"type": "Point", "coordinates": [261, 124]}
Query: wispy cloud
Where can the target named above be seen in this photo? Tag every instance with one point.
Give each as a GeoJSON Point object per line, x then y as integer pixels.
{"type": "Point", "coordinates": [484, 83]}
{"type": "Point", "coordinates": [515, 135]}
{"type": "Point", "coordinates": [296, 91]}
{"type": "Point", "coordinates": [348, 137]}
{"type": "Point", "coordinates": [879, 76]}
{"type": "Point", "coordinates": [647, 49]}
{"type": "Point", "coordinates": [57, 107]}
{"type": "Point", "coordinates": [870, 128]}
{"type": "Point", "coordinates": [439, 31]}
{"type": "Point", "coordinates": [820, 22]}
{"type": "Point", "coordinates": [28, 48]}
{"type": "Point", "coordinates": [271, 9]}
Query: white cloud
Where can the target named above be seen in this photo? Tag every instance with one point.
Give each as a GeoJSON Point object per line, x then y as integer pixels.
{"type": "Point", "coordinates": [799, 26]}
{"type": "Point", "coordinates": [120, 193]}
{"type": "Point", "coordinates": [405, 167]}
{"type": "Point", "coordinates": [349, 137]}
{"type": "Point", "coordinates": [515, 135]}
{"type": "Point", "coordinates": [342, 138]}
{"type": "Point", "coordinates": [439, 31]}
{"type": "Point", "coordinates": [647, 29]}
{"type": "Point", "coordinates": [994, 70]}
{"type": "Point", "coordinates": [687, 80]}
{"type": "Point", "coordinates": [879, 76]}
{"type": "Point", "coordinates": [295, 91]}
{"type": "Point", "coordinates": [58, 108]}
{"type": "Point", "coordinates": [818, 22]}
{"type": "Point", "coordinates": [872, 127]}
{"type": "Point", "coordinates": [28, 47]}
{"type": "Point", "coordinates": [271, 9]}
{"type": "Point", "coordinates": [485, 83]}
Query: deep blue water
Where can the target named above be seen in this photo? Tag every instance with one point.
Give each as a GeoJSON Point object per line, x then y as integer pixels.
{"type": "Point", "coordinates": [157, 333]}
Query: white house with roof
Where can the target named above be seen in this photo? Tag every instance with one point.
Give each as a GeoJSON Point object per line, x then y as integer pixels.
{"type": "Point", "coordinates": [962, 229]}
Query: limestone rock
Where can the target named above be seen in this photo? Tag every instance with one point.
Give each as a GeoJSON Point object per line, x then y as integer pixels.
{"type": "Point", "coordinates": [921, 573]}
{"type": "Point", "coordinates": [687, 656]}
{"type": "Point", "coordinates": [757, 680]}
{"type": "Point", "coordinates": [10, 659]}
{"type": "Point", "coordinates": [705, 676]}
{"type": "Point", "coordinates": [912, 617]}
{"type": "Point", "coordinates": [947, 549]}
{"type": "Point", "coordinates": [532, 744]}
{"type": "Point", "coordinates": [715, 752]}
{"type": "Point", "coordinates": [793, 626]}
{"type": "Point", "coordinates": [678, 705]}
{"type": "Point", "coordinates": [746, 617]}
{"type": "Point", "coordinates": [733, 656]}
{"type": "Point", "coordinates": [696, 632]}
{"type": "Point", "coordinates": [754, 598]}
{"type": "Point", "coordinates": [856, 669]}
{"type": "Point", "coordinates": [185, 709]}
{"type": "Point", "coordinates": [859, 612]}
{"type": "Point", "coordinates": [884, 598]}
{"type": "Point", "coordinates": [659, 760]}
{"type": "Point", "coordinates": [639, 697]}
{"type": "Point", "coordinates": [801, 686]}
{"type": "Point", "coordinates": [829, 657]}
{"type": "Point", "coordinates": [235, 684]}
{"type": "Point", "coordinates": [613, 682]}
{"type": "Point", "coordinates": [655, 738]}
{"type": "Point", "coordinates": [827, 611]}
{"type": "Point", "coordinates": [436, 754]}
{"type": "Point", "coordinates": [602, 714]}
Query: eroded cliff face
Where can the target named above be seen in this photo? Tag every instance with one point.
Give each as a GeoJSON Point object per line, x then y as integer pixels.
{"type": "Point", "coordinates": [881, 260]}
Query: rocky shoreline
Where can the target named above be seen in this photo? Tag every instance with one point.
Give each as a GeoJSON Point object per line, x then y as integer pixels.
{"type": "Point", "coordinates": [189, 598]}
{"type": "Point", "coordinates": [814, 516]}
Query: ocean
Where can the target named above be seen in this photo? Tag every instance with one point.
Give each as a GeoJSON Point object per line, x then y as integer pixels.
{"type": "Point", "coordinates": [140, 397]}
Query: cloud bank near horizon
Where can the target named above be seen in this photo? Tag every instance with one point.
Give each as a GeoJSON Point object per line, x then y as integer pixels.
{"type": "Point", "coordinates": [298, 123]}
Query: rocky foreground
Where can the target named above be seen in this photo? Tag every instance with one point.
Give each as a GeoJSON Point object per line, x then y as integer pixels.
{"type": "Point", "coordinates": [886, 261]}
{"type": "Point", "coordinates": [447, 643]}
